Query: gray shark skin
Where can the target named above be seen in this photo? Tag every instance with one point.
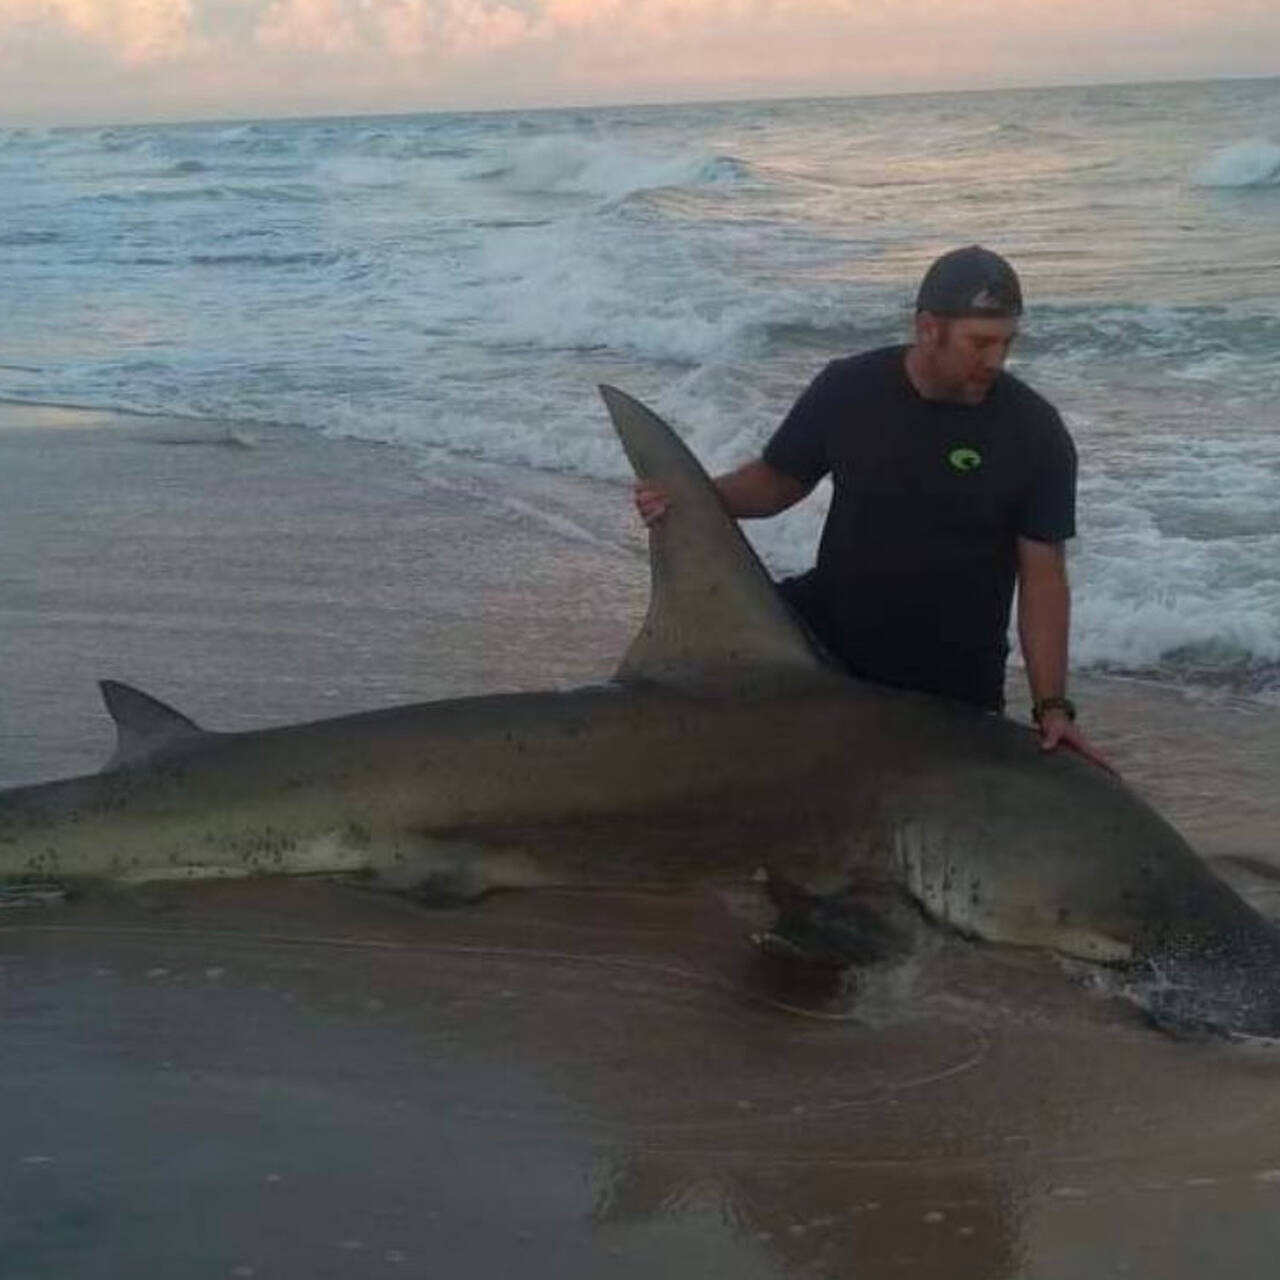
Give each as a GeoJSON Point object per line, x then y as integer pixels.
{"type": "Point", "coordinates": [723, 744]}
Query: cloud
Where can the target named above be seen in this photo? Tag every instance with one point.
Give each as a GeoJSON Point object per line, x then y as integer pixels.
{"type": "Point", "coordinates": [308, 26]}
{"type": "Point", "coordinates": [459, 27]}
{"type": "Point", "coordinates": [130, 31]}
{"type": "Point", "coordinates": [183, 56]}
{"type": "Point", "coordinates": [156, 30]}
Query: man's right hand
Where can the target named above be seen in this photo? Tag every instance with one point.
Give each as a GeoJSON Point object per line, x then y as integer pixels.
{"type": "Point", "coordinates": [755, 489]}
{"type": "Point", "coordinates": [652, 501]}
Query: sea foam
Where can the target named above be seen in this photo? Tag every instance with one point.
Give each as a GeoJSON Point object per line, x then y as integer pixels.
{"type": "Point", "coordinates": [570, 165]}
{"type": "Point", "coordinates": [463, 282]}
{"type": "Point", "coordinates": [1253, 163]}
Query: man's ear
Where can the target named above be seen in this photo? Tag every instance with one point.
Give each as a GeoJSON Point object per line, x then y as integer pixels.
{"type": "Point", "coordinates": [928, 329]}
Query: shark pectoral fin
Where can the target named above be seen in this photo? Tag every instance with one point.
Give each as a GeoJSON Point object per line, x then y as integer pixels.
{"type": "Point", "coordinates": [714, 613]}
{"type": "Point", "coordinates": [449, 872]}
{"type": "Point", "coordinates": [443, 887]}
{"type": "Point", "coordinates": [145, 726]}
{"type": "Point", "coordinates": [860, 925]}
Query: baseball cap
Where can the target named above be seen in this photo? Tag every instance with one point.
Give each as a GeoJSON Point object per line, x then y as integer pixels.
{"type": "Point", "coordinates": [970, 282]}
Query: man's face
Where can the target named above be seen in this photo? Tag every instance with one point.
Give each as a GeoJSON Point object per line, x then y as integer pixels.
{"type": "Point", "coordinates": [964, 356]}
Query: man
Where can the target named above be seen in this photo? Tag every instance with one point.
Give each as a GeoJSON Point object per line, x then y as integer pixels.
{"type": "Point", "coordinates": [952, 480]}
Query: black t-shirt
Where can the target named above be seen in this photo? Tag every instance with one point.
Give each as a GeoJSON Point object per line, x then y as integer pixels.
{"type": "Point", "coordinates": [918, 559]}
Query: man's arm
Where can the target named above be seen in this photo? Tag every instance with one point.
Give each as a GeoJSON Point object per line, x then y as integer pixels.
{"type": "Point", "coordinates": [1044, 624]}
{"type": "Point", "coordinates": [1044, 616]}
{"type": "Point", "coordinates": [753, 490]}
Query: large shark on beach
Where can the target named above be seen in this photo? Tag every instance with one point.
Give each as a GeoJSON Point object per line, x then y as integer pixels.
{"type": "Point", "coordinates": [724, 744]}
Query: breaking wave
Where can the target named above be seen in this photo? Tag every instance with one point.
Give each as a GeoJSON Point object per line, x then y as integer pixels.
{"type": "Point", "coordinates": [1253, 163]}
{"type": "Point", "coordinates": [570, 165]}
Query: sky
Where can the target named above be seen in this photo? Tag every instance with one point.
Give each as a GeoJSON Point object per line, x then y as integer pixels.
{"type": "Point", "coordinates": [107, 61]}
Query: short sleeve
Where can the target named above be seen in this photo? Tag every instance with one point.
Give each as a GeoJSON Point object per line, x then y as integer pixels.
{"type": "Point", "coordinates": [1047, 512]}
{"type": "Point", "coordinates": [799, 446]}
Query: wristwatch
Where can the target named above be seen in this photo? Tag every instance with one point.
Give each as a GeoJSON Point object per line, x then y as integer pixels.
{"type": "Point", "coordinates": [1042, 705]}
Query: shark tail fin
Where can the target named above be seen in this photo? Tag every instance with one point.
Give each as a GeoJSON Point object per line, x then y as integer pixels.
{"type": "Point", "coordinates": [145, 726]}
{"type": "Point", "coordinates": [714, 617]}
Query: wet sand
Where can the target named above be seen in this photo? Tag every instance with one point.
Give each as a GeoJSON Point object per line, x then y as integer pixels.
{"type": "Point", "coordinates": [283, 576]}
{"type": "Point", "coordinates": [308, 1079]}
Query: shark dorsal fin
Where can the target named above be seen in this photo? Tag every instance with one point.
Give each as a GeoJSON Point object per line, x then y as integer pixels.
{"type": "Point", "coordinates": [714, 615]}
{"type": "Point", "coordinates": [145, 726]}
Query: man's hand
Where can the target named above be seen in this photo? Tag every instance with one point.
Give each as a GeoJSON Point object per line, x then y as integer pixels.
{"type": "Point", "coordinates": [1057, 729]}
{"type": "Point", "coordinates": [753, 490]}
{"type": "Point", "coordinates": [652, 501]}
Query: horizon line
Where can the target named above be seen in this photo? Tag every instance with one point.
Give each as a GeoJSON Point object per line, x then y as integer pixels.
{"type": "Point", "coordinates": [640, 103]}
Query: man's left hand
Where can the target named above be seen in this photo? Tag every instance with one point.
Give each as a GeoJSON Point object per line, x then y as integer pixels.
{"type": "Point", "coordinates": [1057, 729]}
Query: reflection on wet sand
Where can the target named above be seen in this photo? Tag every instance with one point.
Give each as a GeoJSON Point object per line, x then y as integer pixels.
{"type": "Point", "coordinates": [559, 1084]}
{"type": "Point", "coordinates": [816, 1220]}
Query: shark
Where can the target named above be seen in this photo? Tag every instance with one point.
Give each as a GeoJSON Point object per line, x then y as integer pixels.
{"type": "Point", "coordinates": [724, 743]}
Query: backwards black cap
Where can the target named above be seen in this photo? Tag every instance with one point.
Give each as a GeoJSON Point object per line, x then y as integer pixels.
{"type": "Point", "coordinates": [970, 282]}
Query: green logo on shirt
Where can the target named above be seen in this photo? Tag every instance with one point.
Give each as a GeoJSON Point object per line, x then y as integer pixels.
{"type": "Point", "coordinates": [964, 459]}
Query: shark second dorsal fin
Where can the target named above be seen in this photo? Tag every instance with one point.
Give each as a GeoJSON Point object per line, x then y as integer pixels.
{"type": "Point", "coordinates": [145, 726]}
{"type": "Point", "coordinates": [714, 616]}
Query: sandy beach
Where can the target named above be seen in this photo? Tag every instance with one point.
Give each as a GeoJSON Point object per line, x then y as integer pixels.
{"type": "Point", "coordinates": [257, 578]}
{"type": "Point", "coordinates": [305, 1080]}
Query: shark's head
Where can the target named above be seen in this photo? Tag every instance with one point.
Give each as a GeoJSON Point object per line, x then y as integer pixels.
{"type": "Point", "coordinates": [1205, 959]}
{"type": "Point", "coordinates": [1229, 987]}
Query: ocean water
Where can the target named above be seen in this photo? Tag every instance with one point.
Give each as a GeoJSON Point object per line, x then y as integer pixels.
{"type": "Point", "coordinates": [462, 283]}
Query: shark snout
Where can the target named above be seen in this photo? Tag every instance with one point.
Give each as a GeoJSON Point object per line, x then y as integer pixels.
{"type": "Point", "coordinates": [1229, 988]}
